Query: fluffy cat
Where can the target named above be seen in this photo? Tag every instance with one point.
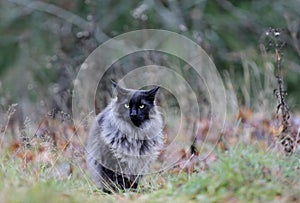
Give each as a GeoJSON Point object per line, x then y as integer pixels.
{"type": "Point", "coordinates": [125, 139]}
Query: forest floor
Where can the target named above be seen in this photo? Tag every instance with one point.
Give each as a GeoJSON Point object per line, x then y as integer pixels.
{"type": "Point", "coordinates": [50, 169]}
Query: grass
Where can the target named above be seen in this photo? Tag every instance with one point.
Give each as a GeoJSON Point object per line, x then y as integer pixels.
{"type": "Point", "coordinates": [242, 174]}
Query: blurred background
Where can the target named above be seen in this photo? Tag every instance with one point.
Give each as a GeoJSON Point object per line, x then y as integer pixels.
{"type": "Point", "coordinates": [43, 44]}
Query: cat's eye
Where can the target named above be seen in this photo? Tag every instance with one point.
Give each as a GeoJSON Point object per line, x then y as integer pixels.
{"type": "Point", "coordinates": [141, 106]}
{"type": "Point", "coordinates": [126, 106]}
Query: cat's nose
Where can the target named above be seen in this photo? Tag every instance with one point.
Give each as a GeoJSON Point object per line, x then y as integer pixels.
{"type": "Point", "coordinates": [133, 113]}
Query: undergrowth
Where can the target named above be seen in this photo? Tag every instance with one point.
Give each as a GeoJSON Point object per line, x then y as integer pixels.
{"type": "Point", "coordinates": [241, 174]}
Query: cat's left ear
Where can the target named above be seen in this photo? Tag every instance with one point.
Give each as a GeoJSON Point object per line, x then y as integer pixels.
{"type": "Point", "coordinates": [118, 91]}
{"type": "Point", "coordinates": [151, 93]}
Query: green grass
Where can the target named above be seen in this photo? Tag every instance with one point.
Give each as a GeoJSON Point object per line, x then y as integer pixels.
{"type": "Point", "coordinates": [242, 174]}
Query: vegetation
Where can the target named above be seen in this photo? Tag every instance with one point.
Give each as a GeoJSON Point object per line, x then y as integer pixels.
{"type": "Point", "coordinates": [43, 45]}
{"type": "Point", "coordinates": [242, 174]}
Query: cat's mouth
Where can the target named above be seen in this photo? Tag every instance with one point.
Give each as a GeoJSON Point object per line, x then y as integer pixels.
{"type": "Point", "coordinates": [136, 121]}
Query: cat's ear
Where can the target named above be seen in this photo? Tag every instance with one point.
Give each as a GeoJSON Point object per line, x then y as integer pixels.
{"type": "Point", "coordinates": [118, 90]}
{"type": "Point", "coordinates": [150, 94]}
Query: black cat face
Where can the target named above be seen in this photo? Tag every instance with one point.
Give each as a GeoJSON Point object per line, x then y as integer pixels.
{"type": "Point", "coordinates": [134, 106]}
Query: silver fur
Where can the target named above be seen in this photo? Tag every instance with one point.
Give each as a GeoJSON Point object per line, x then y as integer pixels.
{"type": "Point", "coordinates": [121, 147]}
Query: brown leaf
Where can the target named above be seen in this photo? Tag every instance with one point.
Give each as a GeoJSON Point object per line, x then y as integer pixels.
{"type": "Point", "coordinates": [26, 157]}
{"type": "Point", "coordinates": [276, 131]}
{"type": "Point", "coordinates": [14, 147]}
{"type": "Point", "coordinates": [61, 143]}
{"type": "Point", "coordinates": [244, 114]}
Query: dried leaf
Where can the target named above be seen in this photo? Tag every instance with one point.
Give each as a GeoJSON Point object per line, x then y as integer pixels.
{"type": "Point", "coordinates": [244, 114]}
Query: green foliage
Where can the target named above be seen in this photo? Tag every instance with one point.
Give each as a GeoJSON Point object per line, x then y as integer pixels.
{"type": "Point", "coordinates": [242, 174]}
{"type": "Point", "coordinates": [246, 175]}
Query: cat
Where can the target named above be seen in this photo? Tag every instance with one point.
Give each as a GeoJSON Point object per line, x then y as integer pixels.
{"type": "Point", "coordinates": [124, 139]}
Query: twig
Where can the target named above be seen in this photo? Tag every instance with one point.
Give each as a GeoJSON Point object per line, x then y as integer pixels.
{"type": "Point", "coordinates": [65, 15]}
{"type": "Point", "coordinates": [285, 138]}
{"type": "Point", "coordinates": [10, 112]}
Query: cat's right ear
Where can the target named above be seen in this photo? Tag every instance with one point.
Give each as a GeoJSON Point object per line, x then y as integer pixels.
{"type": "Point", "coordinates": [117, 90]}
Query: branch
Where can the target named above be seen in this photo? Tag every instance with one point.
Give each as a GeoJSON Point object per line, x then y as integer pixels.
{"type": "Point", "coordinates": [63, 14]}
